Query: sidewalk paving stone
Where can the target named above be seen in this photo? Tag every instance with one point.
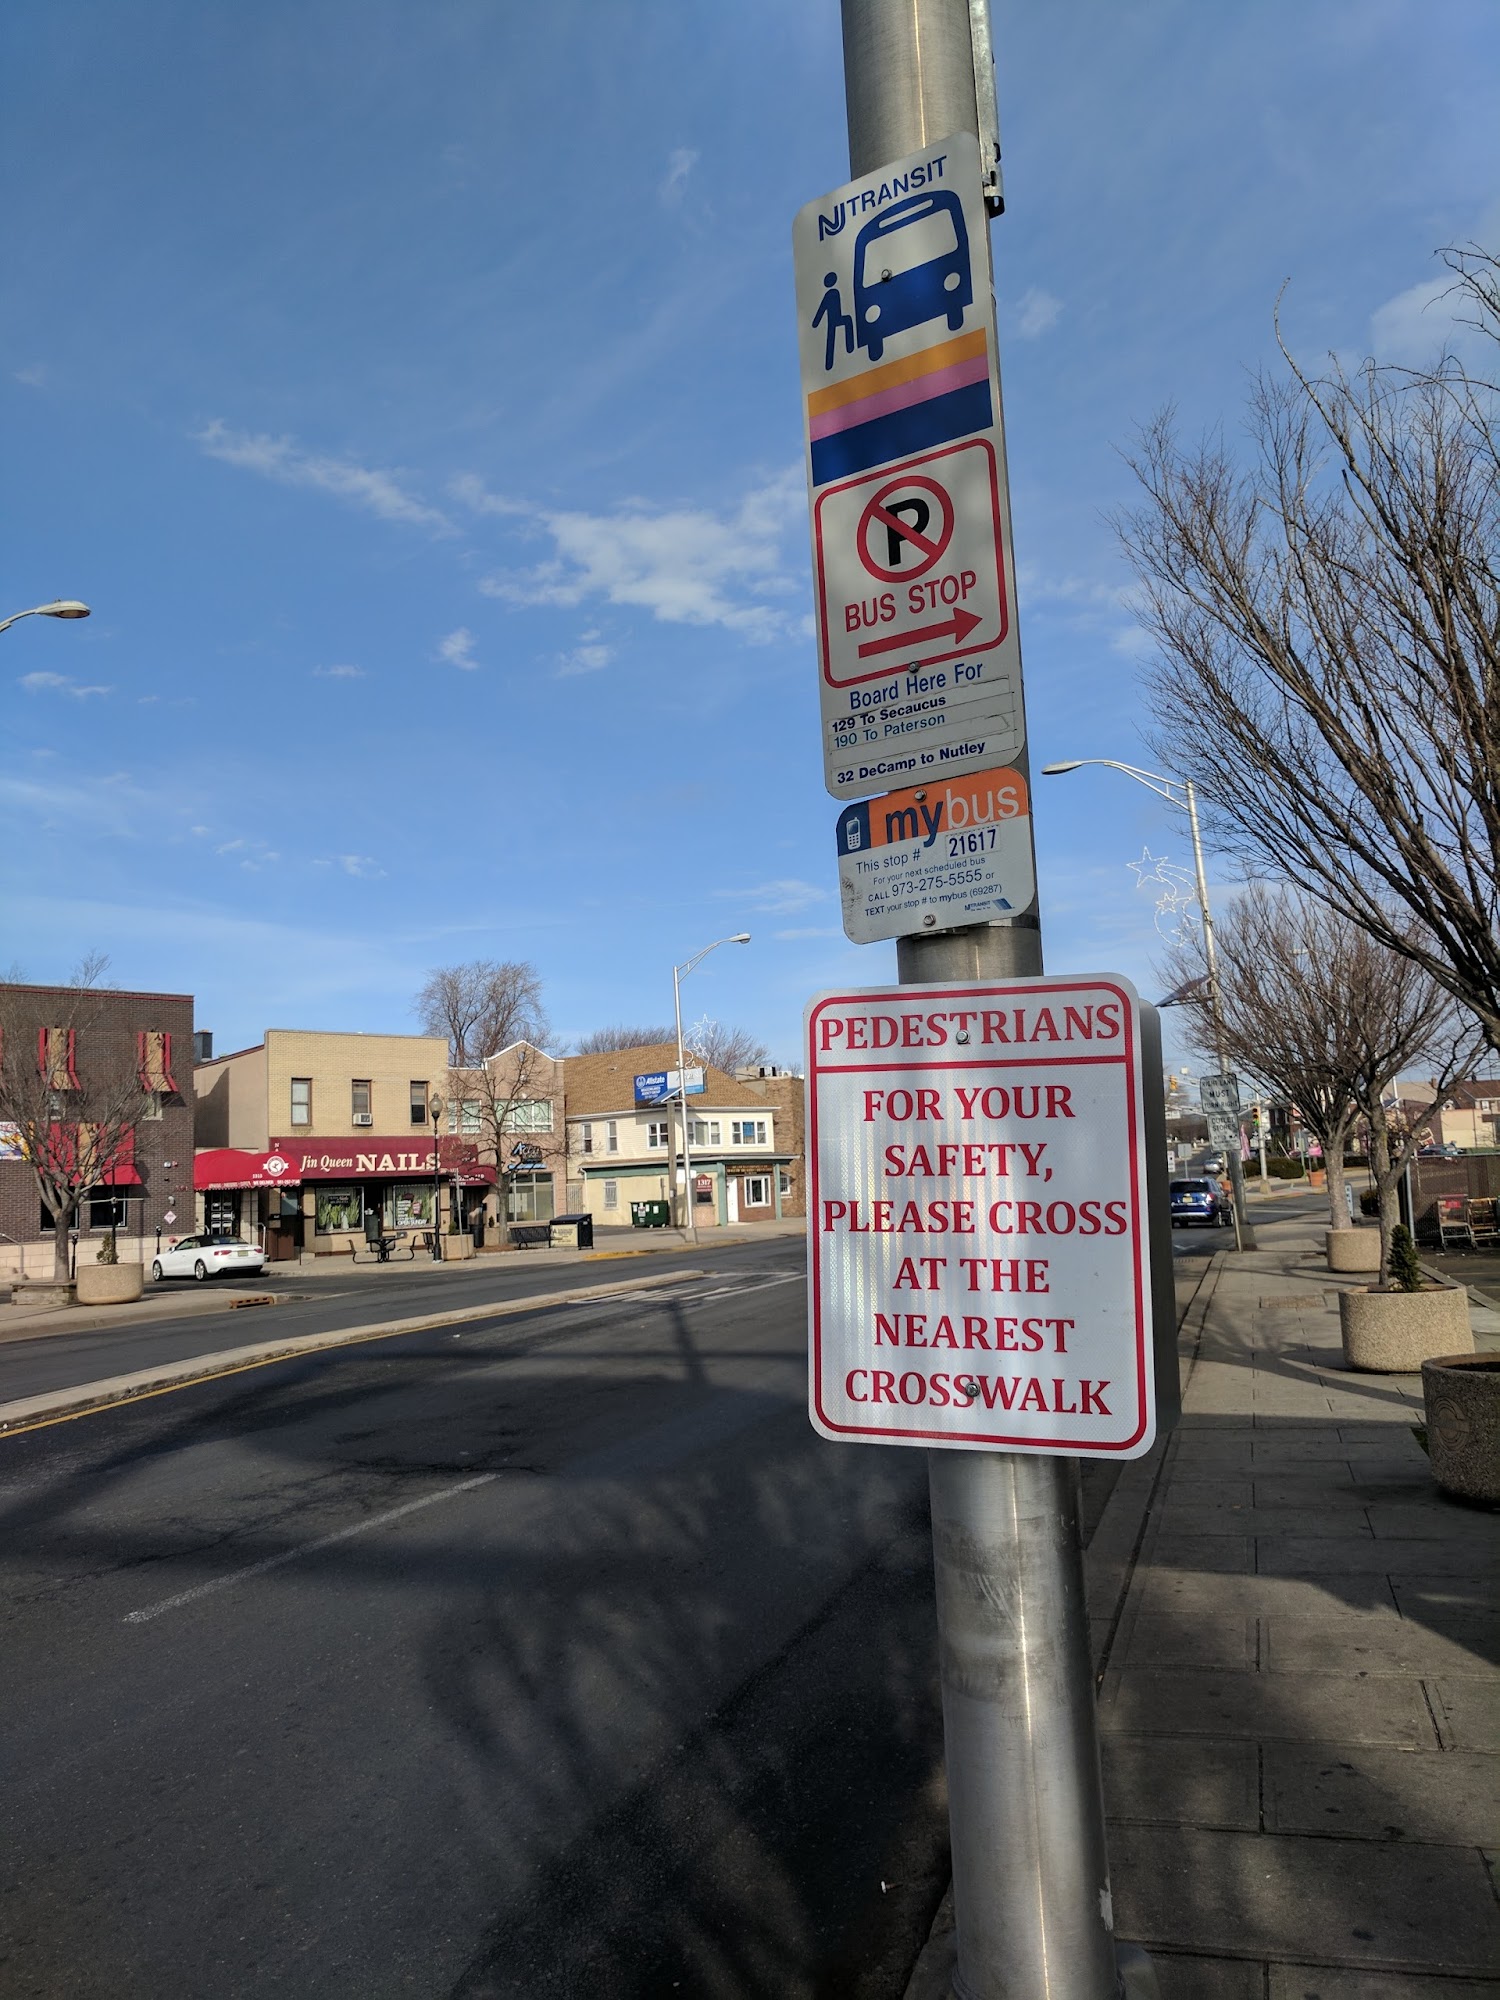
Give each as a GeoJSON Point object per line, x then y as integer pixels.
{"type": "Point", "coordinates": [1195, 1783]}
{"type": "Point", "coordinates": [1351, 1646]}
{"type": "Point", "coordinates": [1307, 1982]}
{"type": "Point", "coordinates": [1186, 1701]}
{"type": "Point", "coordinates": [1468, 1715]}
{"type": "Point", "coordinates": [1391, 1906]}
{"type": "Point", "coordinates": [1360, 1793]}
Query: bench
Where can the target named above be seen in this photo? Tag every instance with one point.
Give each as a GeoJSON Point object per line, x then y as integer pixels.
{"type": "Point", "coordinates": [531, 1235]}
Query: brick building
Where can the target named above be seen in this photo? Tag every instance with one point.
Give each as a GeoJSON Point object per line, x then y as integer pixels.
{"type": "Point", "coordinates": [86, 1058]}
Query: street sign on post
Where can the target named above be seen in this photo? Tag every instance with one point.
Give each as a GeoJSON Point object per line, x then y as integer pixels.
{"type": "Point", "coordinates": [955, 851]}
{"type": "Point", "coordinates": [979, 1223]}
{"type": "Point", "coordinates": [912, 563]}
{"type": "Point", "coordinates": [1219, 1093]}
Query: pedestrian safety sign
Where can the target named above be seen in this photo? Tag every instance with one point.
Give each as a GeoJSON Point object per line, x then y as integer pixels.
{"type": "Point", "coordinates": [919, 657]}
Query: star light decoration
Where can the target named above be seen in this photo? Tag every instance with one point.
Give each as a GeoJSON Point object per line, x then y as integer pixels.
{"type": "Point", "coordinates": [1175, 894]}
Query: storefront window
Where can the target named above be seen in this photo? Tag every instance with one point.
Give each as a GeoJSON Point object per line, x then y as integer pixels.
{"type": "Point", "coordinates": [408, 1205]}
{"type": "Point", "coordinates": [339, 1208]}
{"type": "Point", "coordinates": [529, 1198]}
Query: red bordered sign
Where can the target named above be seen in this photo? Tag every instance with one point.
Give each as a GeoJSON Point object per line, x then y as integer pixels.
{"type": "Point", "coordinates": [910, 565]}
{"type": "Point", "coordinates": [978, 1234]}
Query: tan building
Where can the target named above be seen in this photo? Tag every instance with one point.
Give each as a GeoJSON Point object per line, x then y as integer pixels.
{"type": "Point", "coordinates": [788, 1096]}
{"type": "Point", "coordinates": [310, 1137]}
{"type": "Point", "coordinates": [512, 1108]}
{"type": "Point", "coordinates": [621, 1150]}
{"type": "Point", "coordinates": [1469, 1116]}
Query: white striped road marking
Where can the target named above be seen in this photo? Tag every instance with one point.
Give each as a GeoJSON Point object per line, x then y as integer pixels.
{"type": "Point", "coordinates": [151, 1611]}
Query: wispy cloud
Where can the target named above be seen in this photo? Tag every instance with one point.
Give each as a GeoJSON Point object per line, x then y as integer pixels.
{"type": "Point", "coordinates": [587, 657]}
{"type": "Point", "coordinates": [471, 490]}
{"type": "Point", "coordinates": [1037, 312]}
{"type": "Point", "coordinates": [364, 866]}
{"type": "Point", "coordinates": [339, 673]}
{"type": "Point", "coordinates": [781, 898]}
{"type": "Point", "coordinates": [686, 566]}
{"type": "Point", "coordinates": [34, 377]}
{"type": "Point", "coordinates": [251, 855]}
{"type": "Point", "coordinates": [680, 163]}
{"type": "Point", "coordinates": [60, 684]}
{"type": "Point", "coordinates": [377, 491]}
{"type": "Point", "coordinates": [458, 650]}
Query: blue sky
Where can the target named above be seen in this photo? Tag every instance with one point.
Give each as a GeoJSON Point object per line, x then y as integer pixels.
{"type": "Point", "coordinates": [412, 391]}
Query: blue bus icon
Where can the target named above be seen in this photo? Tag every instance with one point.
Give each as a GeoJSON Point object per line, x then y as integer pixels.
{"type": "Point", "coordinates": [911, 264]}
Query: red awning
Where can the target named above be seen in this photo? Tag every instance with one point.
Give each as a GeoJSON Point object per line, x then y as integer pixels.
{"type": "Point", "coordinates": [121, 1171]}
{"type": "Point", "coordinates": [218, 1167]}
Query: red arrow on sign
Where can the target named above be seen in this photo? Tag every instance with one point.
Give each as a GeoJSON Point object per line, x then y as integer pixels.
{"type": "Point", "coordinates": [958, 628]}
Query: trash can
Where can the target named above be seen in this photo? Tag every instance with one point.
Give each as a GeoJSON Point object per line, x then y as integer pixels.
{"type": "Point", "coordinates": [650, 1214]}
{"type": "Point", "coordinates": [572, 1232]}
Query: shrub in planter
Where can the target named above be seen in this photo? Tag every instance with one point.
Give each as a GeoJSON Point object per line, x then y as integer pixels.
{"type": "Point", "coordinates": [1393, 1329]}
{"type": "Point", "coordinates": [1461, 1397]}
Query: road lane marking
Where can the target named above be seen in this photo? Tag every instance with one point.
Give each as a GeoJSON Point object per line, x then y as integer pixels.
{"type": "Point", "coordinates": [366, 1527]}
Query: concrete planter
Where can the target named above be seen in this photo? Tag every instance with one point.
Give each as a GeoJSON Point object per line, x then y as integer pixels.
{"type": "Point", "coordinates": [1353, 1249]}
{"type": "Point", "coordinates": [1461, 1395]}
{"type": "Point", "coordinates": [1393, 1333]}
{"type": "Point", "coordinates": [108, 1284]}
{"type": "Point", "coordinates": [457, 1248]}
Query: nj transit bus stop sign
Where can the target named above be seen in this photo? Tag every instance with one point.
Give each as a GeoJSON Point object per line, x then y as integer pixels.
{"type": "Point", "coordinates": [990, 1243]}
{"type": "Point", "coordinates": [919, 657]}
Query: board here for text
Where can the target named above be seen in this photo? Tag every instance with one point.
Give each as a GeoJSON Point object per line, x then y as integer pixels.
{"type": "Point", "coordinates": [979, 1246]}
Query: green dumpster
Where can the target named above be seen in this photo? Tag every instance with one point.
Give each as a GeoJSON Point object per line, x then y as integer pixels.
{"type": "Point", "coordinates": [649, 1214]}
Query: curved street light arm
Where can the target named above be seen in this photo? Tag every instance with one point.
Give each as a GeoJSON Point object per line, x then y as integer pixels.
{"type": "Point", "coordinates": [60, 607]}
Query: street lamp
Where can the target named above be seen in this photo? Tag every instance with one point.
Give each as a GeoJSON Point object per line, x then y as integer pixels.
{"type": "Point", "coordinates": [60, 607]}
{"type": "Point", "coordinates": [1180, 792]}
{"type": "Point", "coordinates": [679, 973]}
{"type": "Point", "coordinates": [435, 1112]}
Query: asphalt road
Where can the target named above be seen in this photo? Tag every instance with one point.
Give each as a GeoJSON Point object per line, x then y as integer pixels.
{"type": "Point", "coordinates": [32, 1367]}
{"type": "Point", "coordinates": [547, 1656]}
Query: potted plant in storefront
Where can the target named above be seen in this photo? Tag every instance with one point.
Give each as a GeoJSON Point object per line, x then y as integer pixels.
{"type": "Point", "coordinates": [1392, 1329]}
{"type": "Point", "coordinates": [1461, 1402]}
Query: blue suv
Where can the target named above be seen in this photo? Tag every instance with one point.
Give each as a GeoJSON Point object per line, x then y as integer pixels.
{"type": "Point", "coordinates": [1199, 1201]}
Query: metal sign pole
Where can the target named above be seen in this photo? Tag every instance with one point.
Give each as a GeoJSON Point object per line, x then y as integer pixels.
{"type": "Point", "coordinates": [1026, 1811]}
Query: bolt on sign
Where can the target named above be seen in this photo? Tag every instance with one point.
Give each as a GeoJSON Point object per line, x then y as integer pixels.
{"type": "Point", "coordinates": [915, 580]}
{"type": "Point", "coordinates": [954, 851]}
{"type": "Point", "coordinates": [981, 1263]}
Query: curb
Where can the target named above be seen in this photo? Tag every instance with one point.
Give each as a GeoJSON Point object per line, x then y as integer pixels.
{"type": "Point", "coordinates": [30, 1412]}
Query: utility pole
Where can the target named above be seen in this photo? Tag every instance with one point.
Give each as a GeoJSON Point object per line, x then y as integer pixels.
{"type": "Point", "coordinates": [1026, 1809]}
{"type": "Point", "coordinates": [1244, 1236]}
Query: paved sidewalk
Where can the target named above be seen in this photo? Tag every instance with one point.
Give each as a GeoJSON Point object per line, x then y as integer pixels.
{"type": "Point", "coordinates": [1297, 1635]}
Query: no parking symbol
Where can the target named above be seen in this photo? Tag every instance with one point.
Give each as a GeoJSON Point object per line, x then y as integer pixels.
{"type": "Point", "coordinates": [906, 528]}
{"type": "Point", "coordinates": [910, 569]}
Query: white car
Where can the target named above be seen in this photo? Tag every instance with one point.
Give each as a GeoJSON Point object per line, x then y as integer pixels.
{"type": "Point", "coordinates": [203, 1257]}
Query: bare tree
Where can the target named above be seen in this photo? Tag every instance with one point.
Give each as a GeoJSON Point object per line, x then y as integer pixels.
{"type": "Point", "coordinates": [1329, 630]}
{"type": "Point", "coordinates": [74, 1107]}
{"type": "Point", "coordinates": [482, 1007]}
{"type": "Point", "coordinates": [1326, 1018]}
{"type": "Point", "coordinates": [494, 1103]}
{"type": "Point", "coordinates": [1290, 980]}
{"type": "Point", "coordinates": [604, 1041]}
{"type": "Point", "coordinates": [724, 1048]}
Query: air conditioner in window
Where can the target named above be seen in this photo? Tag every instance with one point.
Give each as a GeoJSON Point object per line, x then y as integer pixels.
{"type": "Point", "coordinates": [364, 1118]}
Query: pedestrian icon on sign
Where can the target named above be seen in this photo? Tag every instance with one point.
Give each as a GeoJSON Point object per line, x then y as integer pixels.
{"type": "Point", "coordinates": [832, 309]}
